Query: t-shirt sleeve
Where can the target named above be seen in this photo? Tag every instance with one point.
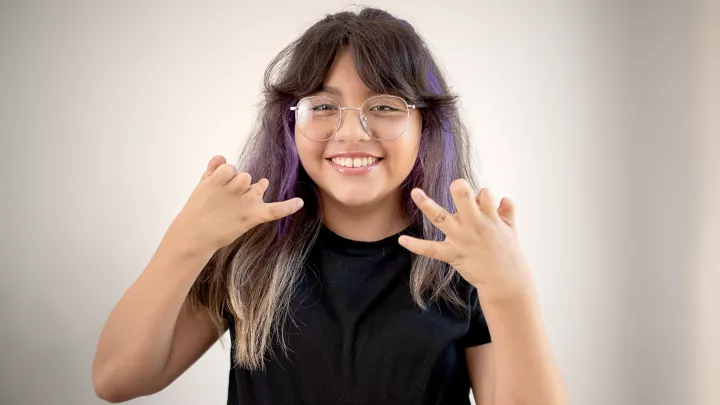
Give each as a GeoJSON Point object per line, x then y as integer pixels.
{"type": "Point", "coordinates": [478, 332]}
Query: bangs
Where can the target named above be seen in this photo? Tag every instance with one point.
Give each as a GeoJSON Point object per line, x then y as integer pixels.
{"type": "Point", "coordinates": [387, 67]}
{"type": "Point", "coordinates": [389, 56]}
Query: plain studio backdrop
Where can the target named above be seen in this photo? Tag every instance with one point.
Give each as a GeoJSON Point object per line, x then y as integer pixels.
{"type": "Point", "coordinates": [596, 117]}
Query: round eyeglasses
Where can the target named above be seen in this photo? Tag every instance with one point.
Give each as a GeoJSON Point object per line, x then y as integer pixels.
{"type": "Point", "coordinates": [383, 117]}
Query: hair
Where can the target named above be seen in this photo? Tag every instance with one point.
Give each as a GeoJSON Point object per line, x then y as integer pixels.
{"type": "Point", "coordinates": [253, 280]}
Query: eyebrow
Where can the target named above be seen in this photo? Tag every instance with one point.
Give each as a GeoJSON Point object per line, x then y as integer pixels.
{"type": "Point", "coordinates": [337, 92]}
{"type": "Point", "coordinates": [330, 89]}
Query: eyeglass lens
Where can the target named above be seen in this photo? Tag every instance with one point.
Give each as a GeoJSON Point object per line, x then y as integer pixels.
{"type": "Point", "coordinates": [382, 117]}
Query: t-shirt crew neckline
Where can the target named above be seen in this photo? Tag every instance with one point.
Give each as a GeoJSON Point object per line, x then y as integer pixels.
{"type": "Point", "coordinates": [330, 239]}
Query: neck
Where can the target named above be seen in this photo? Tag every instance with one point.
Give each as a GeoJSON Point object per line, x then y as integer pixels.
{"type": "Point", "coordinates": [367, 222]}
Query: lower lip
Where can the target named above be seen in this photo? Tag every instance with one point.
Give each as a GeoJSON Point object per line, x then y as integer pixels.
{"type": "Point", "coordinates": [355, 170]}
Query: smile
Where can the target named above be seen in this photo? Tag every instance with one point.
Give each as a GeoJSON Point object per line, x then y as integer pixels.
{"type": "Point", "coordinates": [354, 162]}
{"type": "Point", "coordinates": [355, 165]}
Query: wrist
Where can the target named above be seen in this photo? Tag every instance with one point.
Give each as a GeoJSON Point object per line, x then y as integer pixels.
{"type": "Point", "coordinates": [519, 294]}
{"type": "Point", "coordinates": [180, 239]}
{"type": "Point", "coordinates": [178, 259]}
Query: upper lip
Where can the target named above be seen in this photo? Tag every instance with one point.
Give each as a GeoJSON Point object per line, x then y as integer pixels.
{"type": "Point", "coordinates": [353, 155]}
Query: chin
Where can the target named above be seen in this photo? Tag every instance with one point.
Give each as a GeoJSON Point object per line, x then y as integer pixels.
{"type": "Point", "coordinates": [353, 198]}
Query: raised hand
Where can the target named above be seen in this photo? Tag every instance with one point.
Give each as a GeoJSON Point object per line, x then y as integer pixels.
{"type": "Point", "coordinates": [225, 205]}
{"type": "Point", "coordinates": [481, 243]}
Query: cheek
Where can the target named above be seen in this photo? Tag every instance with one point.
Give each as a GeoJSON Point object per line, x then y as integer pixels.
{"type": "Point", "coordinates": [406, 148]}
{"type": "Point", "coordinates": [404, 152]}
{"type": "Point", "coordinates": [310, 154]}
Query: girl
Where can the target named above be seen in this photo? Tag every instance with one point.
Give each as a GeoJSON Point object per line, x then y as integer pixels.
{"type": "Point", "coordinates": [363, 281]}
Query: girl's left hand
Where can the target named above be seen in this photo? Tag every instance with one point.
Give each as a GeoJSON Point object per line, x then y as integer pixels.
{"type": "Point", "coordinates": [481, 243]}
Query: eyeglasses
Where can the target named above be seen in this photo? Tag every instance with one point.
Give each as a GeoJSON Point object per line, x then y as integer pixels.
{"type": "Point", "coordinates": [383, 117]}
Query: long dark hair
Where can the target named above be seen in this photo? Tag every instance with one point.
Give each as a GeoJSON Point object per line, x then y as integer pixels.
{"type": "Point", "coordinates": [253, 279]}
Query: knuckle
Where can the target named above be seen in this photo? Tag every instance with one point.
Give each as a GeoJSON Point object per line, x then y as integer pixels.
{"type": "Point", "coordinates": [440, 217]}
{"type": "Point", "coordinates": [226, 170]}
{"type": "Point", "coordinates": [480, 225]}
{"type": "Point", "coordinates": [260, 187]}
{"type": "Point", "coordinates": [275, 213]}
{"type": "Point", "coordinates": [483, 195]}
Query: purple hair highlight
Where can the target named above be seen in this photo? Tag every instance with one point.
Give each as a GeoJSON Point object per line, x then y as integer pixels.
{"type": "Point", "coordinates": [288, 185]}
{"type": "Point", "coordinates": [449, 160]}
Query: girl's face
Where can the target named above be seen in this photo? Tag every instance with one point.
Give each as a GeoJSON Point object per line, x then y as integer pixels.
{"type": "Point", "coordinates": [356, 186]}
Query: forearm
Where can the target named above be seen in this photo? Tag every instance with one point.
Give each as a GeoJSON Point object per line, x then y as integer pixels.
{"type": "Point", "coordinates": [525, 369]}
{"type": "Point", "coordinates": [137, 338]}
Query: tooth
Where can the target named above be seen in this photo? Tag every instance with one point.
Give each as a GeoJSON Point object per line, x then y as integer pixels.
{"type": "Point", "coordinates": [364, 161]}
{"type": "Point", "coordinates": [356, 162]}
{"type": "Point", "coordinates": [348, 162]}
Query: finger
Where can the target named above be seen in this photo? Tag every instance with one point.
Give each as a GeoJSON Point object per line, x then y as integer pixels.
{"type": "Point", "coordinates": [506, 211]}
{"type": "Point", "coordinates": [277, 210]}
{"type": "Point", "coordinates": [486, 201]}
{"type": "Point", "coordinates": [465, 204]}
{"type": "Point", "coordinates": [259, 188]}
{"type": "Point", "coordinates": [431, 249]}
{"type": "Point", "coordinates": [223, 174]}
{"type": "Point", "coordinates": [240, 183]}
{"type": "Point", "coordinates": [213, 164]}
{"type": "Point", "coordinates": [437, 215]}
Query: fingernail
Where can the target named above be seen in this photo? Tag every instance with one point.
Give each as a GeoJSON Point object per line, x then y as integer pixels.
{"type": "Point", "coordinates": [403, 240]}
{"type": "Point", "coordinates": [300, 204]}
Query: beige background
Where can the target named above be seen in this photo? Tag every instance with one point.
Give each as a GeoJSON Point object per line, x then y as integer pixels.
{"type": "Point", "coordinates": [598, 117]}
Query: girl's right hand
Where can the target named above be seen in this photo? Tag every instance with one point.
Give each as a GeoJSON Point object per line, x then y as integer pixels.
{"type": "Point", "coordinates": [225, 205]}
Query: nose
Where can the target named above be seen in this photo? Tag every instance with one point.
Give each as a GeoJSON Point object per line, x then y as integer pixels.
{"type": "Point", "coordinates": [352, 127]}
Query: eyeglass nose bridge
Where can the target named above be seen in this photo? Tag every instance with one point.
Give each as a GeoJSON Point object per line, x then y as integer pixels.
{"type": "Point", "coordinates": [362, 117]}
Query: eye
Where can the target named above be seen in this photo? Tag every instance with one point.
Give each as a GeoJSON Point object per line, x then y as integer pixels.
{"type": "Point", "coordinates": [384, 108]}
{"type": "Point", "coordinates": [323, 107]}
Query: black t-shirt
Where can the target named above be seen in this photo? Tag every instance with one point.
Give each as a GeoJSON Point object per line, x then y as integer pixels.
{"type": "Point", "coordinates": [358, 338]}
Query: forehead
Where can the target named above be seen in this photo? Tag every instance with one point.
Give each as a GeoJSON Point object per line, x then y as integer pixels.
{"type": "Point", "coordinates": [342, 80]}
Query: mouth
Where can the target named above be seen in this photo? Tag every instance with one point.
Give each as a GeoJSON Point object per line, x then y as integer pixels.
{"type": "Point", "coordinates": [356, 165]}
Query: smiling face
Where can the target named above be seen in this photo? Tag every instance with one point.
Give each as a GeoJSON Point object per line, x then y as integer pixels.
{"type": "Point", "coordinates": [327, 162]}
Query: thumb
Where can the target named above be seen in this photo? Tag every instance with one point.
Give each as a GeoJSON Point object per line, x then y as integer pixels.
{"type": "Point", "coordinates": [213, 164]}
{"type": "Point", "coordinates": [506, 211]}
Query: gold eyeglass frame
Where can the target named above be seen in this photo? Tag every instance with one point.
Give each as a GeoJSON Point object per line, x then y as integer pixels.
{"type": "Point", "coordinates": [361, 117]}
